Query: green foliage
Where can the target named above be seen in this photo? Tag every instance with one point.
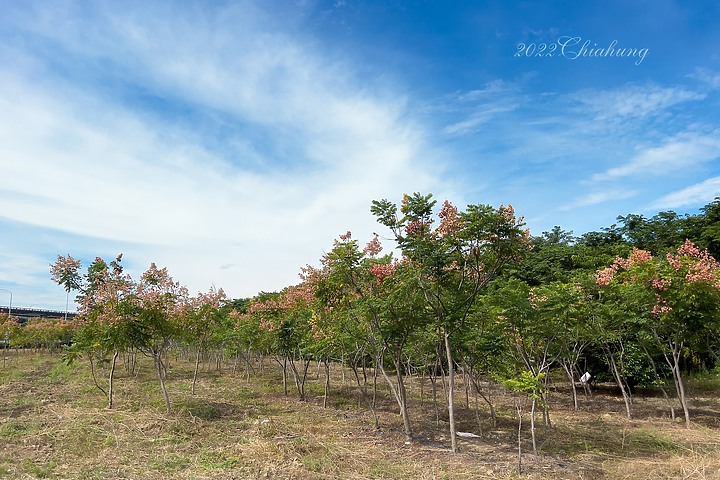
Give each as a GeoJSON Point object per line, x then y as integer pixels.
{"type": "Point", "coordinates": [526, 383]}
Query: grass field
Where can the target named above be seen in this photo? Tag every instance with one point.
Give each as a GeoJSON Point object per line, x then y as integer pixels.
{"type": "Point", "coordinates": [54, 424]}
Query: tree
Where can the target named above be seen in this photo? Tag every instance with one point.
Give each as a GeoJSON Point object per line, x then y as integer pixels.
{"type": "Point", "coordinates": [676, 299]}
{"type": "Point", "coordinates": [453, 262]}
{"type": "Point", "coordinates": [158, 302]}
{"type": "Point", "coordinates": [104, 318]}
{"type": "Point", "coordinates": [65, 272]}
{"type": "Point", "coordinates": [201, 318]}
{"type": "Point", "coordinates": [380, 300]}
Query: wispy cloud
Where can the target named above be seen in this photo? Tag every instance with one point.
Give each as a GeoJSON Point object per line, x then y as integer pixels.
{"type": "Point", "coordinates": [85, 160]}
{"type": "Point", "coordinates": [698, 194]}
{"type": "Point", "coordinates": [684, 151]}
{"type": "Point", "coordinates": [632, 101]}
{"type": "Point", "coordinates": [707, 77]}
{"type": "Point", "coordinates": [477, 107]}
{"type": "Point", "coordinates": [596, 198]}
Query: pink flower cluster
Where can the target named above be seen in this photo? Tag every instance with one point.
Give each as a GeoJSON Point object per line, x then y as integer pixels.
{"type": "Point", "coordinates": [661, 284]}
{"type": "Point", "coordinates": [383, 270]}
{"type": "Point", "coordinates": [373, 247]}
{"type": "Point", "coordinates": [415, 227]}
{"type": "Point", "coordinates": [606, 275]}
{"type": "Point", "coordinates": [661, 309]}
{"type": "Point", "coordinates": [449, 221]}
{"type": "Point", "coordinates": [701, 266]}
{"type": "Point", "coordinates": [535, 299]}
{"type": "Point", "coordinates": [267, 325]}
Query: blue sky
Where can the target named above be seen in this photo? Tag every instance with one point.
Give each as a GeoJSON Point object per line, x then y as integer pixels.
{"type": "Point", "coordinates": [232, 141]}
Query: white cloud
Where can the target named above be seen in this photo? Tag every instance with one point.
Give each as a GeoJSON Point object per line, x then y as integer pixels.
{"type": "Point", "coordinates": [695, 195]}
{"type": "Point", "coordinates": [83, 161]}
{"type": "Point", "coordinates": [595, 198]}
{"type": "Point", "coordinates": [707, 77]}
{"type": "Point", "coordinates": [632, 101]}
{"type": "Point", "coordinates": [683, 151]}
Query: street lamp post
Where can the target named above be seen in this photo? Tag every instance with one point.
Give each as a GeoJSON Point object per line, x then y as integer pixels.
{"type": "Point", "coordinates": [9, 306]}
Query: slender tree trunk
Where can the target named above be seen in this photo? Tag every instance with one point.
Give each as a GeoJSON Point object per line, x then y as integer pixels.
{"type": "Point", "coordinates": [283, 365]}
{"type": "Point", "coordinates": [518, 407]}
{"type": "Point", "coordinates": [662, 388]}
{"type": "Point", "coordinates": [679, 385]}
{"type": "Point", "coordinates": [620, 383]}
{"type": "Point", "coordinates": [532, 425]}
{"type": "Point", "coordinates": [111, 378]}
{"type": "Point", "coordinates": [399, 393]}
{"type": "Point", "coordinates": [546, 401]}
{"type": "Point", "coordinates": [493, 415]}
{"type": "Point", "coordinates": [375, 387]}
{"type": "Point", "coordinates": [300, 379]}
{"type": "Point", "coordinates": [342, 367]}
{"type": "Point", "coordinates": [571, 378]}
{"type": "Point", "coordinates": [195, 373]}
{"type": "Point", "coordinates": [477, 410]}
{"type": "Point", "coordinates": [327, 382]}
{"type": "Point", "coordinates": [433, 382]}
{"type": "Point", "coordinates": [159, 367]}
{"type": "Point", "coordinates": [466, 384]}
{"type": "Point", "coordinates": [363, 393]}
{"type": "Point", "coordinates": [92, 371]}
{"type": "Point", "coordinates": [451, 393]}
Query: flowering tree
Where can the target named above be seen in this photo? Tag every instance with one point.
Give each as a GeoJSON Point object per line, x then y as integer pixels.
{"type": "Point", "coordinates": [379, 309]}
{"type": "Point", "coordinates": [158, 302]}
{"type": "Point", "coordinates": [454, 261]}
{"type": "Point", "coordinates": [200, 319]}
{"type": "Point", "coordinates": [677, 297]}
{"type": "Point", "coordinates": [104, 320]}
{"type": "Point", "coordinates": [286, 318]}
{"type": "Point", "coordinates": [66, 272]}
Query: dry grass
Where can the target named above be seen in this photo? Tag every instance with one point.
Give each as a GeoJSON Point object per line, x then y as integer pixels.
{"type": "Point", "coordinates": [54, 424]}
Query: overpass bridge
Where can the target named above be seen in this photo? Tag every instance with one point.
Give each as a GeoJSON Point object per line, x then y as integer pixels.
{"type": "Point", "coordinates": [23, 314]}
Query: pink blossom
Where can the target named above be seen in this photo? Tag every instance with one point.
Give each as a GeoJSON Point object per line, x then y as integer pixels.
{"type": "Point", "coordinates": [661, 309]}
{"type": "Point", "coordinates": [373, 247]}
{"type": "Point", "coordinates": [661, 284]}
{"type": "Point", "coordinates": [688, 249]}
{"type": "Point", "coordinates": [449, 221]}
{"type": "Point", "coordinates": [415, 227]}
{"type": "Point", "coordinates": [605, 276]}
{"type": "Point", "coordinates": [382, 270]}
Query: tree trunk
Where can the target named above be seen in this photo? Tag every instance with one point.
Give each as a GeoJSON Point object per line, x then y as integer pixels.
{"type": "Point", "coordinates": [571, 377]}
{"type": "Point", "coordinates": [399, 393]}
{"type": "Point", "coordinates": [532, 425]}
{"type": "Point", "coordinates": [679, 385]}
{"type": "Point", "coordinates": [327, 382]}
{"type": "Point", "coordinates": [662, 389]}
{"type": "Point", "coordinates": [92, 371]}
{"type": "Point", "coordinates": [620, 383]}
{"type": "Point", "coordinates": [451, 393]}
{"type": "Point", "coordinates": [111, 378]}
{"type": "Point", "coordinates": [518, 407]}
{"type": "Point", "coordinates": [160, 369]}
{"type": "Point", "coordinates": [433, 382]}
{"type": "Point", "coordinates": [195, 373]}
{"type": "Point", "coordinates": [364, 394]}
{"type": "Point", "coordinates": [300, 379]}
